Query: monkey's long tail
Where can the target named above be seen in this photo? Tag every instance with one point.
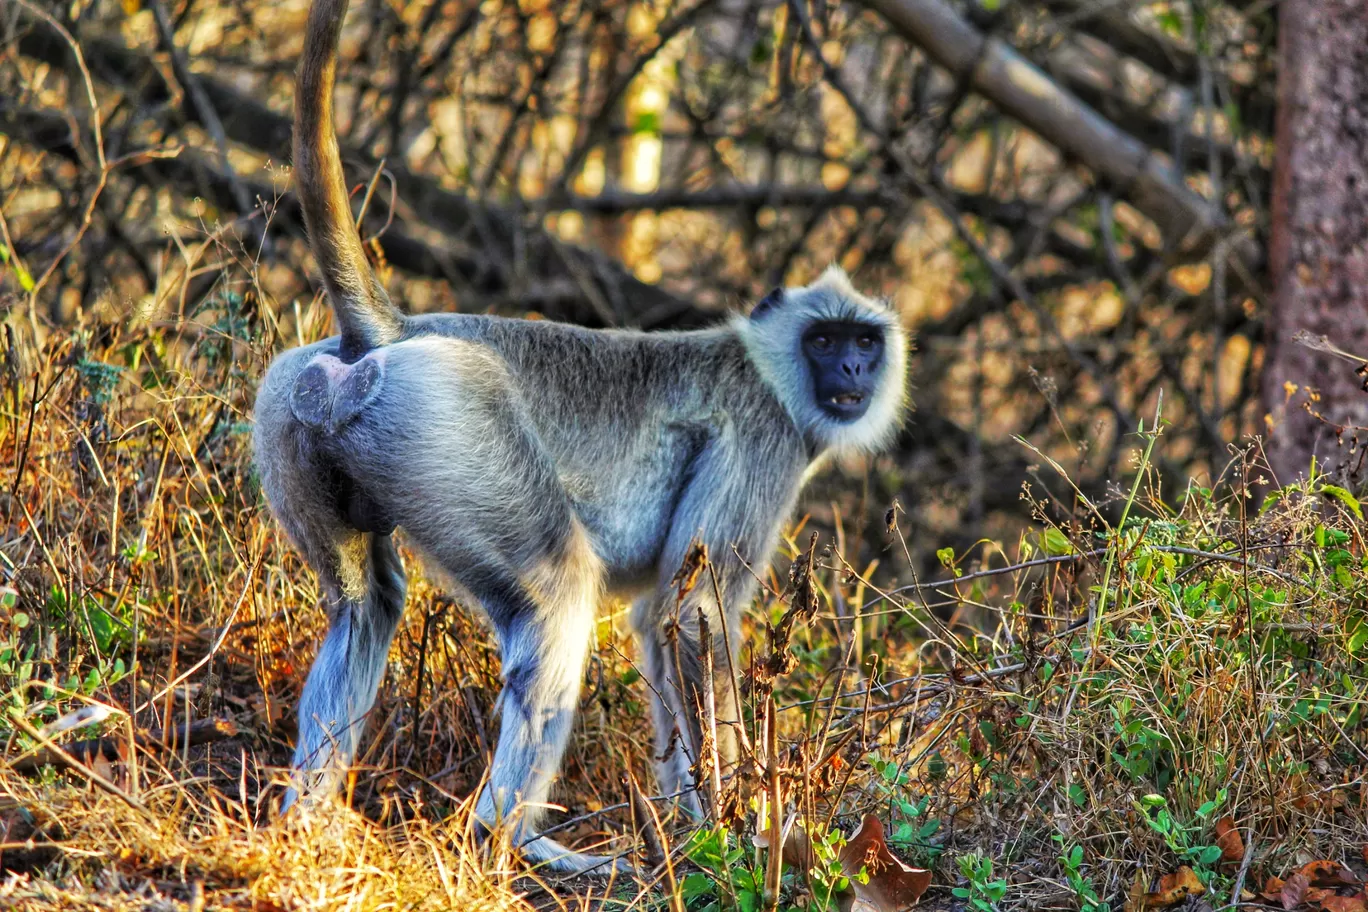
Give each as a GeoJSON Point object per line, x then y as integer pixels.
{"type": "Point", "coordinates": [365, 316]}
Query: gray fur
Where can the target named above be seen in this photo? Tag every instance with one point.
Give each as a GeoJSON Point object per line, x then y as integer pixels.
{"type": "Point", "coordinates": [540, 466]}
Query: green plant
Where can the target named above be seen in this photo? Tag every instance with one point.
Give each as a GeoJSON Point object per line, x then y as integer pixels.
{"type": "Point", "coordinates": [1180, 838]}
{"type": "Point", "coordinates": [983, 893]}
{"type": "Point", "coordinates": [727, 881]}
{"type": "Point", "coordinates": [827, 877]}
{"type": "Point", "coordinates": [912, 834]}
{"type": "Point", "coordinates": [730, 879]}
{"type": "Point", "coordinates": [1081, 885]}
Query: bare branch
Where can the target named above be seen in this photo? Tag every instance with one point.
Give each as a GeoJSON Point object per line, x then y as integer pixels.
{"type": "Point", "coordinates": [562, 269]}
{"type": "Point", "coordinates": [1020, 89]}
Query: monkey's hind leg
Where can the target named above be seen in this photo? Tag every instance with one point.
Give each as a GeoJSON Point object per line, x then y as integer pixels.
{"type": "Point", "coordinates": [358, 569]}
{"type": "Point", "coordinates": [365, 591]}
{"type": "Point", "coordinates": [545, 625]}
{"type": "Point", "coordinates": [676, 739]}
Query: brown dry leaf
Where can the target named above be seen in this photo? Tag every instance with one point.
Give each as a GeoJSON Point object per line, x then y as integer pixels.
{"type": "Point", "coordinates": [1365, 853]}
{"type": "Point", "coordinates": [1228, 838]}
{"type": "Point", "coordinates": [1327, 873]}
{"type": "Point", "coordinates": [1135, 899]}
{"type": "Point", "coordinates": [1357, 903]}
{"type": "Point", "coordinates": [687, 576]}
{"type": "Point", "coordinates": [1272, 890]}
{"type": "Point", "coordinates": [1294, 891]}
{"type": "Point", "coordinates": [797, 846]}
{"type": "Point", "coordinates": [893, 885]}
{"type": "Point", "coordinates": [1316, 895]}
{"type": "Point", "coordinates": [1173, 889]}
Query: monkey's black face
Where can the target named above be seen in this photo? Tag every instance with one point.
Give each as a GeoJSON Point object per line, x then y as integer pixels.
{"type": "Point", "coordinates": [845, 359]}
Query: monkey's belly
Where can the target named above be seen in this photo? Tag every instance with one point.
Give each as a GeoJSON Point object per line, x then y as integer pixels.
{"type": "Point", "coordinates": [629, 529]}
{"type": "Point", "coordinates": [625, 494]}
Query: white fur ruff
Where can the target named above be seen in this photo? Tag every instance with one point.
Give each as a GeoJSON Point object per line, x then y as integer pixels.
{"type": "Point", "coordinates": [774, 341]}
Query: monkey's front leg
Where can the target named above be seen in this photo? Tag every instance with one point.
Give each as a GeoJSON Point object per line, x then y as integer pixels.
{"type": "Point", "coordinates": [673, 645]}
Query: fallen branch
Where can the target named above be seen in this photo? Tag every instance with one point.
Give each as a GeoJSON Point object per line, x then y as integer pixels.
{"type": "Point", "coordinates": [995, 70]}
{"type": "Point", "coordinates": [205, 731]}
{"type": "Point", "coordinates": [1173, 58]}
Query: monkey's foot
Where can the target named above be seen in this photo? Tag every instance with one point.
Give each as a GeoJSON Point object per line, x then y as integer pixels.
{"type": "Point", "coordinates": [547, 855]}
{"type": "Point", "coordinates": [309, 788]}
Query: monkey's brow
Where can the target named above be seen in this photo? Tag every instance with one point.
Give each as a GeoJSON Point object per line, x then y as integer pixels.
{"type": "Point", "coordinates": [855, 323]}
{"type": "Point", "coordinates": [843, 310]}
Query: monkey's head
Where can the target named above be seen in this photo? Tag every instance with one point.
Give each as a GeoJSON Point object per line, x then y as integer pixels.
{"type": "Point", "coordinates": [835, 358]}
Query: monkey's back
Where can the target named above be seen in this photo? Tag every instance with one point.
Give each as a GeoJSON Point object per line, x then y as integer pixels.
{"type": "Point", "coordinates": [625, 416]}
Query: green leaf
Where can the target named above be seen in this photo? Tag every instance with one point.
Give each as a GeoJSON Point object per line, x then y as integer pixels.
{"type": "Point", "coordinates": [696, 884]}
{"type": "Point", "coordinates": [25, 280]}
{"type": "Point", "coordinates": [1209, 855]}
{"type": "Point", "coordinates": [1344, 497]}
{"type": "Point", "coordinates": [647, 122]}
{"type": "Point", "coordinates": [1358, 634]}
{"type": "Point", "coordinates": [1056, 542]}
{"type": "Point", "coordinates": [103, 628]}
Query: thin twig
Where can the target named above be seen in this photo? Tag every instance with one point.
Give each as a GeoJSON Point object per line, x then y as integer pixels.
{"type": "Point", "coordinates": [204, 731]}
{"type": "Point", "coordinates": [199, 100]}
{"type": "Point", "coordinates": [60, 753]}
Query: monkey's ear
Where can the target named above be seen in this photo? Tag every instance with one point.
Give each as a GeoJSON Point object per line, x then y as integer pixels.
{"type": "Point", "coordinates": [769, 302]}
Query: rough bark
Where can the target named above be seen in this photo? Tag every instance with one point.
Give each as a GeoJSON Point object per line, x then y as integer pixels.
{"type": "Point", "coordinates": [1318, 252]}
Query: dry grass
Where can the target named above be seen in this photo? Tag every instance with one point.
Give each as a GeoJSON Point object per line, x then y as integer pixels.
{"type": "Point", "coordinates": [192, 845]}
{"type": "Point", "coordinates": [987, 715]}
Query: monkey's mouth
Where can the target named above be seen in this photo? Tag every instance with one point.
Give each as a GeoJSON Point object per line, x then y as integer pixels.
{"type": "Point", "coordinates": [845, 406]}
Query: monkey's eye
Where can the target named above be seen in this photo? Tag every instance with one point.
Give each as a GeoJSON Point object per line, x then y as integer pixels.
{"type": "Point", "coordinates": [821, 342]}
{"type": "Point", "coordinates": [865, 342]}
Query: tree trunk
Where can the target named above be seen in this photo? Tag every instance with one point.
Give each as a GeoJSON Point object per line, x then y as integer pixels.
{"type": "Point", "coordinates": [1318, 256]}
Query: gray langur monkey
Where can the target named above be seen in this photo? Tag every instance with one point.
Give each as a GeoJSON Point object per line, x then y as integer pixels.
{"type": "Point", "coordinates": [543, 466]}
